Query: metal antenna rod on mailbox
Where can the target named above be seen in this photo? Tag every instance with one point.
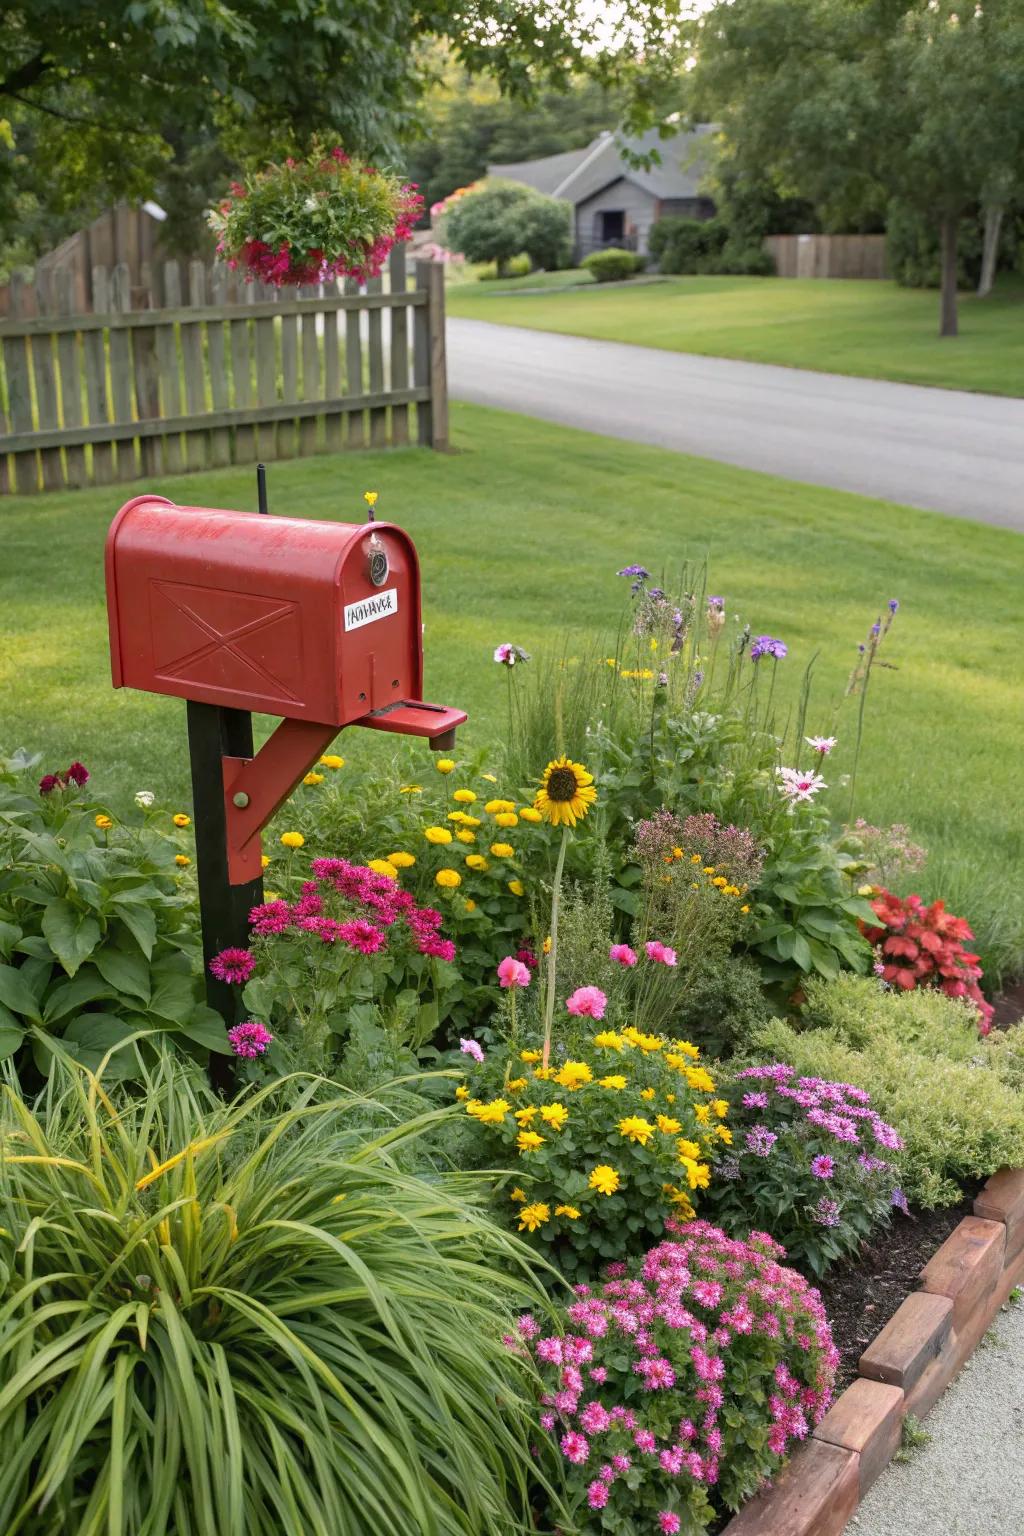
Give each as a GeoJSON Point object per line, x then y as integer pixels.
{"type": "Point", "coordinates": [316, 622]}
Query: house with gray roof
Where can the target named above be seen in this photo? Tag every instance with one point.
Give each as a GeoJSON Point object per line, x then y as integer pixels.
{"type": "Point", "coordinates": [613, 202]}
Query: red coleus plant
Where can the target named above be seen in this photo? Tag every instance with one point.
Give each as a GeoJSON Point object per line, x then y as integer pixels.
{"type": "Point", "coordinates": [923, 946]}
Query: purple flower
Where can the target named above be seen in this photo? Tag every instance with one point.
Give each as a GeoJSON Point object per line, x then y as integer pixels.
{"type": "Point", "coordinates": [760, 1141]}
{"type": "Point", "coordinates": [899, 1201]}
{"type": "Point", "coordinates": [893, 604]}
{"type": "Point", "coordinates": [823, 1166]}
{"type": "Point", "coordinates": [757, 1100]}
{"type": "Point", "coordinates": [472, 1048]}
{"type": "Point", "coordinates": [716, 603]}
{"type": "Point", "coordinates": [639, 572]}
{"type": "Point", "coordinates": [876, 628]}
{"type": "Point", "coordinates": [234, 966]}
{"type": "Point", "coordinates": [250, 1039]}
{"type": "Point", "coordinates": [826, 1212]}
{"type": "Point", "coordinates": [764, 645]}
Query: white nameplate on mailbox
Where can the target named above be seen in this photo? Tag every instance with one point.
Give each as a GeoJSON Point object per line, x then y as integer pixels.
{"type": "Point", "coordinates": [369, 609]}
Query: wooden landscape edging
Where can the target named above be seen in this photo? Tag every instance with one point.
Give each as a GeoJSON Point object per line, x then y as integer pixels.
{"type": "Point", "coordinates": [904, 1370]}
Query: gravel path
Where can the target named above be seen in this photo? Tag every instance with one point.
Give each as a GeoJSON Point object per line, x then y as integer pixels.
{"type": "Point", "coordinates": [941, 449]}
{"type": "Point", "coordinates": [968, 1480]}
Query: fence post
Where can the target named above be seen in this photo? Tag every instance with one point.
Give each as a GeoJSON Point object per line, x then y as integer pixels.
{"type": "Point", "coordinates": [19, 392]}
{"type": "Point", "coordinates": [438, 359]}
{"type": "Point", "coordinates": [70, 376]}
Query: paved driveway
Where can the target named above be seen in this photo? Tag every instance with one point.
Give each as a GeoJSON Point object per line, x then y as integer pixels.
{"type": "Point", "coordinates": [943, 449]}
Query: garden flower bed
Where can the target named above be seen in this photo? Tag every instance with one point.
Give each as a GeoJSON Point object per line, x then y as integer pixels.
{"type": "Point", "coordinates": [574, 1086]}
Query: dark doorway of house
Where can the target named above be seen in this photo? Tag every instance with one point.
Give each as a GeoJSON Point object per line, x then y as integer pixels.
{"type": "Point", "coordinates": [613, 226]}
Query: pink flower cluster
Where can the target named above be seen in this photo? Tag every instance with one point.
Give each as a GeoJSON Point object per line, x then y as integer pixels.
{"type": "Point", "coordinates": [379, 903]}
{"type": "Point", "coordinates": [250, 1039]}
{"type": "Point", "coordinates": [839, 1109]}
{"type": "Point", "coordinates": [710, 1326]}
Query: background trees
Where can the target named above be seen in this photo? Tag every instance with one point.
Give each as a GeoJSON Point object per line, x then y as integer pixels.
{"type": "Point", "coordinates": [505, 219]}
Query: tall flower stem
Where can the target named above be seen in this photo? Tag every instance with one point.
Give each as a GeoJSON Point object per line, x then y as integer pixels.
{"type": "Point", "coordinates": [556, 897]}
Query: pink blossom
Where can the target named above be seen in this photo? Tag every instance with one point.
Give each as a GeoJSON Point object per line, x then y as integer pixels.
{"type": "Point", "coordinates": [597, 1493]}
{"type": "Point", "coordinates": [471, 1048]}
{"type": "Point", "coordinates": [234, 966]}
{"type": "Point", "coordinates": [362, 936]}
{"type": "Point", "coordinates": [575, 1448]}
{"type": "Point", "coordinates": [660, 952]}
{"type": "Point", "coordinates": [622, 954]}
{"type": "Point", "coordinates": [513, 973]}
{"type": "Point", "coordinates": [587, 1001]}
{"type": "Point", "coordinates": [250, 1039]}
{"type": "Point", "coordinates": [668, 1523]}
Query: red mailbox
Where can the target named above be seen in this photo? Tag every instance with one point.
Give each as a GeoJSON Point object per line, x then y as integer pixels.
{"type": "Point", "coordinates": [313, 621]}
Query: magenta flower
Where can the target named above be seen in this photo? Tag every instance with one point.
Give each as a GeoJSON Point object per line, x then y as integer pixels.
{"type": "Point", "coordinates": [250, 1039]}
{"type": "Point", "coordinates": [797, 786]}
{"type": "Point", "coordinates": [362, 936]}
{"type": "Point", "coordinates": [821, 744]}
{"type": "Point", "coordinates": [513, 973]}
{"type": "Point", "coordinates": [471, 1048]}
{"type": "Point", "coordinates": [78, 774]}
{"type": "Point", "coordinates": [588, 1002]}
{"type": "Point", "coordinates": [760, 1140]}
{"type": "Point", "coordinates": [823, 1166]}
{"type": "Point", "coordinates": [669, 1524]}
{"type": "Point", "coordinates": [597, 1494]}
{"type": "Point", "coordinates": [659, 952]}
{"type": "Point", "coordinates": [234, 966]}
{"type": "Point", "coordinates": [575, 1448]}
{"type": "Point", "coordinates": [49, 782]}
{"type": "Point", "coordinates": [622, 954]}
{"type": "Point", "coordinates": [507, 655]}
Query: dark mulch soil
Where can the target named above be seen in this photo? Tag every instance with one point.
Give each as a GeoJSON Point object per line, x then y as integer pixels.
{"type": "Point", "coordinates": [861, 1295]}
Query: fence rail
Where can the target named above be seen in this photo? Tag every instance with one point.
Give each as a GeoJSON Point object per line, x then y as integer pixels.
{"type": "Point", "coordinates": [225, 375]}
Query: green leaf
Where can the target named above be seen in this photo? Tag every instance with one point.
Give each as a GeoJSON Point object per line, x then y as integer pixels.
{"type": "Point", "coordinates": [173, 996]}
{"type": "Point", "coordinates": [11, 1036]}
{"type": "Point", "coordinates": [206, 1028]}
{"type": "Point", "coordinates": [71, 934]}
{"type": "Point", "coordinates": [10, 933]}
{"type": "Point", "coordinates": [142, 923]}
{"type": "Point", "coordinates": [801, 952]}
{"type": "Point", "coordinates": [16, 994]}
{"type": "Point", "coordinates": [128, 973]}
{"type": "Point", "coordinates": [67, 996]}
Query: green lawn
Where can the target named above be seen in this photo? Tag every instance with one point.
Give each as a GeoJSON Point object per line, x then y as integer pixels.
{"type": "Point", "coordinates": [520, 533]}
{"type": "Point", "coordinates": [870, 328]}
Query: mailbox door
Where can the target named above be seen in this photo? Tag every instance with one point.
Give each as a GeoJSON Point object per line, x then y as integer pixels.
{"type": "Point", "coordinates": [379, 630]}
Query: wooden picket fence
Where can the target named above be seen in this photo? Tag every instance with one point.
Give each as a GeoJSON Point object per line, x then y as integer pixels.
{"type": "Point", "coordinates": [232, 373]}
{"type": "Point", "coordinates": [829, 255]}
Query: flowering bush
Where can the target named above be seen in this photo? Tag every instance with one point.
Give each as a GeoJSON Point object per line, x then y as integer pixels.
{"type": "Point", "coordinates": [352, 943]}
{"type": "Point", "coordinates": [805, 1164]}
{"type": "Point", "coordinates": [306, 221]}
{"type": "Point", "coordinates": [885, 853]}
{"type": "Point", "coordinates": [607, 1140]}
{"type": "Point", "coordinates": [924, 946]}
{"type": "Point", "coordinates": [678, 1387]}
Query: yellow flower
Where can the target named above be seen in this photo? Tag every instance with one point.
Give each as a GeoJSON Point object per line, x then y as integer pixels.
{"type": "Point", "coordinates": [181, 820]}
{"type": "Point", "coordinates": [604, 1179]}
{"type": "Point", "coordinates": [677, 853]}
{"type": "Point", "coordinates": [370, 497]}
{"type": "Point", "coordinates": [516, 887]}
{"type": "Point", "coordinates": [744, 910]}
{"type": "Point", "coordinates": [533, 1216]}
{"type": "Point", "coordinates": [608, 1040]}
{"type": "Point", "coordinates": [546, 946]}
{"type": "Point", "coordinates": [515, 1083]}
{"type": "Point", "coordinates": [555, 1115]}
{"type": "Point", "coordinates": [526, 1114]}
{"type": "Point", "coordinates": [507, 819]}
{"type": "Point", "coordinates": [464, 796]}
{"type": "Point", "coordinates": [410, 789]}
{"type": "Point", "coordinates": [703, 1113]}
{"type": "Point", "coordinates": [724, 1134]}
{"type": "Point", "coordinates": [566, 792]}
{"type": "Point", "coordinates": [402, 860]}
{"type": "Point", "coordinates": [272, 896]}
{"type": "Point", "coordinates": [567, 1210]}
{"type": "Point", "coordinates": [668, 1125]}
{"type": "Point", "coordinates": [264, 860]}
{"type": "Point", "coordinates": [383, 867]}
{"type": "Point", "coordinates": [518, 1195]}
{"type": "Point", "coordinates": [457, 816]}
{"type": "Point", "coordinates": [670, 1098]}
{"type": "Point", "coordinates": [502, 850]}
{"type": "Point", "coordinates": [529, 1141]}
{"type": "Point", "coordinates": [685, 1048]}
{"type": "Point", "coordinates": [465, 836]}
{"type": "Point", "coordinates": [709, 869]}
{"type": "Point", "coordinates": [292, 839]}
{"type": "Point", "coordinates": [720, 1107]}
{"type": "Point", "coordinates": [313, 778]}
{"type": "Point", "coordinates": [182, 860]}
{"type": "Point", "coordinates": [680, 1199]}
{"type": "Point", "coordinates": [470, 905]}
{"type": "Point", "coordinates": [332, 760]}
{"type": "Point", "coordinates": [688, 1149]}
{"type": "Point", "coordinates": [698, 1175]}
{"type": "Point", "coordinates": [637, 674]}
{"type": "Point", "coordinates": [647, 1093]}
{"type": "Point", "coordinates": [497, 807]}
{"type": "Point", "coordinates": [529, 1056]}
{"type": "Point", "coordinates": [720, 881]}
{"type": "Point", "coordinates": [574, 1074]}
{"type": "Point", "coordinates": [636, 1128]}
{"type": "Point", "coordinates": [490, 777]}
{"type": "Point", "coordinates": [439, 835]}
{"type": "Point", "coordinates": [865, 890]}
{"type": "Point", "coordinates": [476, 861]}
{"type": "Point", "coordinates": [616, 1081]}
{"type": "Point", "coordinates": [470, 821]}
{"type": "Point", "coordinates": [445, 765]}
{"type": "Point", "coordinates": [699, 1080]}
{"type": "Point", "coordinates": [462, 1093]}
{"type": "Point", "coordinates": [544, 1073]}
{"type": "Point", "coordinates": [103, 822]}
{"type": "Point", "coordinates": [448, 879]}
{"type": "Point", "coordinates": [492, 1113]}
{"type": "Point", "coordinates": [527, 813]}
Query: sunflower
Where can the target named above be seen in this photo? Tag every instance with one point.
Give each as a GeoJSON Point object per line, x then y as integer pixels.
{"type": "Point", "coordinates": [566, 792]}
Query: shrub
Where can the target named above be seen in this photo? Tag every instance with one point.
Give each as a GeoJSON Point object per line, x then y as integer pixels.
{"type": "Point", "coordinates": [805, 1164]}
{"type": "Point", "coordinates": [504, 219]}
{"type": "Point", "coordinates": [98, 931]}
{"type": "Point", "coordinates": [620, 1129]}
{"type": "Point", "coordinates": [955, 1097]}
{"type": "Point", "coordinates": [612, 265]}
{"type": "Point", "coordinates": [678, 1388]}
{"type": "Point", "coordinates": [232, 1320]}
{"type": "Point", "coordinates": [516, 266]}
{"type": "Point", "coordinates": [686, 245]}
{"type": "Point", "coordinates": [924, 946]}
{"type": "Point", "coordinates": [722, 1004]}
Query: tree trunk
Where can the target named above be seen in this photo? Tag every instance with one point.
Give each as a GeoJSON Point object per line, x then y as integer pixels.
{"type": "Point", "coordinates": [990, 248]}
{"type": "Point", "coordinates": [950, 229]}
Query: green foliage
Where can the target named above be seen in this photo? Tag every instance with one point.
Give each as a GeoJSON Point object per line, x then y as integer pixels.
{"type": "Point", "coordinates": [504, 219]}
{"type": "Point", "coordinates": [516, 266]}
{"type": "Point", "coordinates": [612, 265]}
{"type": "Point", "coordinates": [98, 937]}
{"type": "Point", "coordinates": [956, 1099]}
{"type": "Point", "coordinates": [687, 245]}
{"type": "Point", "coordinates": [722, 1004]}
{"type": "Point", "coordinates": [231, 1320]}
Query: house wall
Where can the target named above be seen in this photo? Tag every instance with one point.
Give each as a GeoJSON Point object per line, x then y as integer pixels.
{"type": "Point", "coordinates": [639, 207]}
{"type": "Point", "coordinates": [686, 208]}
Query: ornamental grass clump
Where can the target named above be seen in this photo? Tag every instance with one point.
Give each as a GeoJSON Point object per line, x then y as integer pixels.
{"type": "Point", "coordinates": [679, 1385]}
{"type": "Point", "coordinates": [811, 1162]}
{"type": "Point", "coordinates": [235, 1320]}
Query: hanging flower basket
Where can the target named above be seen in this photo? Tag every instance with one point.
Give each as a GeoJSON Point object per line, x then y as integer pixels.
{"type": "Point", "coordinates": [307, 221]}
